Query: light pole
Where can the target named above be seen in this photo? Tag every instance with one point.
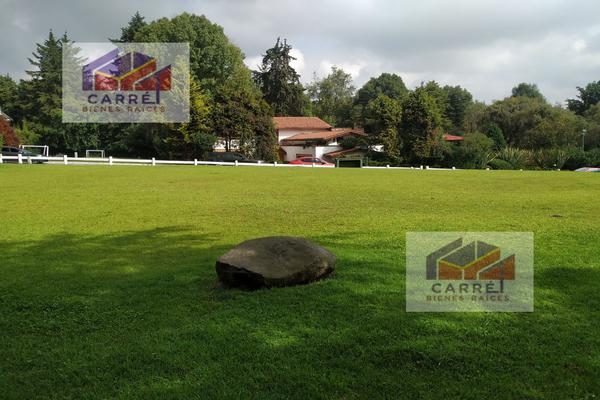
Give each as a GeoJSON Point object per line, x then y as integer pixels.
{"type": "Point", "coordinates": [583, 133]}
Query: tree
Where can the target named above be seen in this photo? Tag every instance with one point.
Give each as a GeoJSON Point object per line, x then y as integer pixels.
{"type": "Point", "coordinates": [475, 151]}
{"type": "Point", "coordinates": [528, 90]}
{"type": "Point", "coordinates": [7, 134]}
{"type": "Point", "coordinates": [421, 117]}
{"type": "Point", "coordinates": [136, 23]}
{"type": "Point", "coordinates": [559, 128]}
{"type": "Point", "coordinates": [9, 92]}
{"type": "Point", "coordinates": [40, 98]}
{"type": "Point", "coordinates": [192, 139]}
{"type": "Point", "coordinates": [332, 97]}
{"type": "Point", "coordinates": [592, 119]}
{"type": "Point", "coordinates": [228, 102]}
{"type": "Point", "coordinates": [458, 102]}
{"type": "Point", "coordinates": [213, 58]}
{"type": "Point", "coordinates": [495, 133]}
{"type": "Point", "coordinates": [279, 82]}
{"type": "Point", "coordinates": [587, 97]}
{"type": "Point", "coordinates": [240, 117]}
{"type": "Point", "coordinates": [476, 118]}
{"type": "Point", "coordinates": [517, 115]}
{"type": "Point", "coordinates": [440, 98]}
{"type": "Point", "coordinates": [390, 85]}
{"type": "Point", "coordinates": [382, 119]}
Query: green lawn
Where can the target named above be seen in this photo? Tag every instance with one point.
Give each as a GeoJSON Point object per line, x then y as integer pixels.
{"type": "Point", "coordinates": [108, 287]}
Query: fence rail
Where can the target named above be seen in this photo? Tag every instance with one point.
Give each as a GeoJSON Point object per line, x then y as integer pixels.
{"type": "Point", "coordinates": [66, 160]}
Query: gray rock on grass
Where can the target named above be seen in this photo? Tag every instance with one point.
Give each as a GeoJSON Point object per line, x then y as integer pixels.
{"type": "Point", "coordinates": [273, 262]}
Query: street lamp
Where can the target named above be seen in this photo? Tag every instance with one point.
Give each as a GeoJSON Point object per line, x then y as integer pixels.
{"type": "Point", "coordinates": [583, 133]}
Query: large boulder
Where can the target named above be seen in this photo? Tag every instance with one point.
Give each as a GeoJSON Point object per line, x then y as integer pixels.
{"type": "Point", "coordinates": [274, 261]}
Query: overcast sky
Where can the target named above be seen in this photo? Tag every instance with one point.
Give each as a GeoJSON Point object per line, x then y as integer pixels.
{"type": "Point", "coordinates": [485, 46]}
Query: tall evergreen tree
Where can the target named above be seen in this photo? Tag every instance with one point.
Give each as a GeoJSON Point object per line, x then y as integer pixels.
{"type": "Point", "coordinates": [279, 82]}
{"type": "Point", "coordinates": [459, 101]}
{"type": "Point", "coordinates": [128, 32]}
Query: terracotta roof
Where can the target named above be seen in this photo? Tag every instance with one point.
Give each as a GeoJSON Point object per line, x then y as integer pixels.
{"type": "Point", "coordinates": [6, 117]}
{"type": "Point", "coordinates": [453, 138]}
{"type": "Point", "coordinates": [324, 135]}
{"type": "Point", "coordinates": [300, 123]}
{"type": "Point", "coordinates": [342, 152]}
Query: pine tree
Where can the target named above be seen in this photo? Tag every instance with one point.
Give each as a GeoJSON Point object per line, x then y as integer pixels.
{"type": "Point", "coordinates": [279, 82]}
{"type": "Point", "coordinates": [128, 33]}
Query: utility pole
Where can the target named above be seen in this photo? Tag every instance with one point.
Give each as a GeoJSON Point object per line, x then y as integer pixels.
{"type": "Point", "coordinates": [583, 133]}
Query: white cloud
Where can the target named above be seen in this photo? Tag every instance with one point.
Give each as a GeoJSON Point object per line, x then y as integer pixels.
{"type": "Point", "coordinates": [298, 63]}
{"type": "Point", "coordinates": [253, 62]}
{"type": "Point", "coordinates": [485, 46]}
{"type": "Point", "coordinates": [351, 68]}
{"type": "Point", "coordinates": [579, 45]}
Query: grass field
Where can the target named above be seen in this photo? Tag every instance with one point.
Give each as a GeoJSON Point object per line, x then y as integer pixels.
{"type": "Point", "coordinates": [108, 287]}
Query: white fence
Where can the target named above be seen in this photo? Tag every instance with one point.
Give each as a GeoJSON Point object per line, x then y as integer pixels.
{"type": "Point", "coordinates": [20, 159]}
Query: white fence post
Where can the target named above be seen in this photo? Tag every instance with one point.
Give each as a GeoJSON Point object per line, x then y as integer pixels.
{"type": "Point", "coordinates": [453, 167]}
{"type": "Point", "coordinates": [153, 161]}
{"type": "Point", "coordinates": [66, 159]}
{"type": "Point", "coordinates": [1, 160]}
{"type": "Point", "coordinates": [110, 161]}
{"type": "Point", "coordinates": [195, 161]}
{"type": "Point", "coordinates": [274, 163]}
{"type": "Point", "coordinates": [76, 155]}
{"type": "Point", "coordinates": [29, 160]}
{"type": "Point", "coordinates": [387, 165]}
{"type": "Point", "coordinates": [20, 157]}
{"type": "Point", "coordinates": [236, 163]}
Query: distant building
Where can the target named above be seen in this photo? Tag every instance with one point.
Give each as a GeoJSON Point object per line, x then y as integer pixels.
{"type": "Point", "coordinates": [8, 134]}
{"type": "Point", "coordinates": [309, 137]}
{"type": "Point", "coordinates": [4, 116]}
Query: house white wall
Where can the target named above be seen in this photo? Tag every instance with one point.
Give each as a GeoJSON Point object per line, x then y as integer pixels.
{"type": "Point", "coordinates": [320, 150]}
{"type": "Point", "coordinates": [292, 152]}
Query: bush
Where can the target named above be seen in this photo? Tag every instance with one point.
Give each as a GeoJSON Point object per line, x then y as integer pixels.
{"type": "Point", "coordinates": [577, 159]}
{"type": "Point", "coordinates": [499, 164]}
{"type": "Point", "coordinates": [516, 157]}
{"type": "Point", "coordinates": [474, 152]}
{"type": "Point", "coordinates": [550, 158]}
{"type": "Point", "coordinates": [593, 157]}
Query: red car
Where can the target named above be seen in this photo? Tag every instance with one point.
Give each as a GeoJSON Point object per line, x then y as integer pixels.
{"type": "Point", "coordinates": [310, 161]}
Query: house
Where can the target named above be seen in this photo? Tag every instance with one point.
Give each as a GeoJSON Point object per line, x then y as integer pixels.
{"type": "Point", "coordinates": [4, 116]}
{"type": "Point", "coordinates": [309, 137]}
{"type": "Point", "coordinates": [453, 138]}
{"type": "Point", "coordinates": [6, 131]}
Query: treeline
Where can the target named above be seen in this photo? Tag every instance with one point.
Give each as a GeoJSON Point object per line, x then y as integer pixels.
{"type": "Point", "coordinates": [230, 102]}
{"type": "Point", "coordinates": [225, 102]}
{"type": "Point", "coordinates": [522, 130]}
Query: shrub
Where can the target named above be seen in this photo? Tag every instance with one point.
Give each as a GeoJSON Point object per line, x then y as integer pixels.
{"type": "Point", "coordinates": [516, 157]}
{"type": "Point", "coordinates": [499, 164]}
{"type": "Point", "coordinates": [550, 158]}
{"type": "Point", "coordinates": [474, 152]}
{"type": "Point", "coordinates": [593, 157]}
{"type": "Point", "coordinates": [577, 159]}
